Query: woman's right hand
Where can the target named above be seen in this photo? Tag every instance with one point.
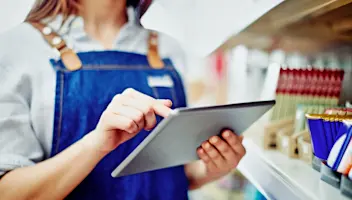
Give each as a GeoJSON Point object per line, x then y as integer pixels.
{"type": "Point", "coordinates": [127, 114]}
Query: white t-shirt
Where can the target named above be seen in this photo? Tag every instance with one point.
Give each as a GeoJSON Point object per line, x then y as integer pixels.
{"type": "Point", "coordinates": [27, 83]}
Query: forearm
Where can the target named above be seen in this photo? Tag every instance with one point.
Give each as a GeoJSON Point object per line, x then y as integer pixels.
{"type": "Point", "coordinates": [54, 178]}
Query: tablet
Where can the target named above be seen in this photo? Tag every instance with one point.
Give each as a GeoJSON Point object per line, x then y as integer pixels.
{"type": "Point", "coordinates": [175, 139]}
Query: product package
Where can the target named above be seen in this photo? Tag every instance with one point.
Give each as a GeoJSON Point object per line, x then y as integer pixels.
{"type": "Point", "coordinates": [288, 137]}
{"type": "Point", "coordinates": [331, 136]}
{"type": "Point", "coordinates": [304, 145]}
{"type": "Point", "coordinates": [303, 109]}
{"type": "Point", "coordinates": [338, 111]}
{"type": "Point", "coordinates": [271, 132]}
{"type": "Point", "coordinates": [306, 86]}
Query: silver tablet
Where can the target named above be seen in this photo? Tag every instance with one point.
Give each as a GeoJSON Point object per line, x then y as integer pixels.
{"type": "Point", "coordinates": [175, 140]}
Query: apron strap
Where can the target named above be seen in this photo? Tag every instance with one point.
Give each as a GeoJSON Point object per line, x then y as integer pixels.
{"type": "Point", "coordinates": [153, 52]}
{"type": "Point", "coordinates": [72, 61]}
{"type": "Point", "coordinates": [68, 56]}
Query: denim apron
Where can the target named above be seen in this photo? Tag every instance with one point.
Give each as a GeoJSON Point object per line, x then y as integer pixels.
{"type": "Point", "coordinates": [86, 83]}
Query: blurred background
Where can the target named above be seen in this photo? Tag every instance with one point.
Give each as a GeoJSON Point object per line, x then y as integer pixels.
{"type": "Point", "coordinates": [298, 36]}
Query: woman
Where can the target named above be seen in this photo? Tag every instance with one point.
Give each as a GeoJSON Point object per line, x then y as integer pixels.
{"type": "Point", "coordinates": [78, 94]}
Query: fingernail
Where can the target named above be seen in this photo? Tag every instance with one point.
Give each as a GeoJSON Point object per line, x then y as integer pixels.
{"type": "Point", "coordinates": [201, 151]}
{"type": "Point", "coordinates": [214, 139]}
{"type": "Point", "coordinates": [226, 134]}
{"type": "Point", "coordinates": [207, 145]}
{"type": "Point", "coordinates": [166, 102]}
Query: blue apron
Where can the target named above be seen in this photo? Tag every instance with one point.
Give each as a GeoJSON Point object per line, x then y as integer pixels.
{"type": "Point", "coordinates": [81, 97]}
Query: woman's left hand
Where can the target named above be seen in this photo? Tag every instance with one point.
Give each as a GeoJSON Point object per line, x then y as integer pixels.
{"type": "Point", "coordinates": [219, 156]}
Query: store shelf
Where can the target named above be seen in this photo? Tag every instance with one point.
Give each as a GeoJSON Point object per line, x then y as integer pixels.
{"type": "Point", "coordinates": [280, 177]}
{"type": "Point", "coordinates": [297, 25]}
{"type": "Point", "coordinates": [213, 192]}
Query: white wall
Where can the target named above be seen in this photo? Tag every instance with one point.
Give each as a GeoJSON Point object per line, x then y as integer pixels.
{"type": "Point", "coordinates": [253, 74]}
{"type": "Point", "coordinates": [201, 26]}
{"type": "Point", "coordinates": [13, 12]}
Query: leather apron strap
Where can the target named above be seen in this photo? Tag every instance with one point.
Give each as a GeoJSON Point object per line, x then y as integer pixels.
{"type": "Point", "coordinates": [153, 53]}
{"type": "Point", "coordinates": [68, 56]}
{"type": "Point", "coordinates": [72, 61]}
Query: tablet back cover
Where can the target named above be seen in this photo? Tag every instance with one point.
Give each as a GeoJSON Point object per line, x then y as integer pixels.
{"type": "Point", "coordinates": [175, 141]}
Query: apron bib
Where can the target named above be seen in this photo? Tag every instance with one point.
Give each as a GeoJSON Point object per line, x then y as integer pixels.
{"type": "Point", "coordinates": [86, 83]}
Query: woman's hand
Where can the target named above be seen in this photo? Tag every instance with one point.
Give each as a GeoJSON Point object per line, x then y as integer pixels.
{"type": "Point", "coordinates": [127, 114]}
{"type": "Point", "coordinates": [218, 157]}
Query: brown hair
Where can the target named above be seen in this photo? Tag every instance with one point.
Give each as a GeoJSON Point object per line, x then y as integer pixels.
{"type": "Point", "coordinates": [51, 8]}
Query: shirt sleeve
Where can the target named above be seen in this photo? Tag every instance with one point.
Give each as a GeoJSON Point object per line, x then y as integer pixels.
{"type": "Point", "coordinates": [19, 146]}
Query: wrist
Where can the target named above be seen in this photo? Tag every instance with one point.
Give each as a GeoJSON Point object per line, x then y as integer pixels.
{"type": "Point", "coordinates": [94, 143]}
{"type": "Point", "coordinates": [195, 184]}
{"type": "Point", "coordinates": [197, 176]}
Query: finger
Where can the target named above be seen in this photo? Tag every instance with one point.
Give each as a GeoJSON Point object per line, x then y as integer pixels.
{"type": "Point", "coordinates": [206, 159]}
{"type": "Point", "coordinates": [165, 102]}
{"type": "Point", "coordinates": [162, 110]}
{"type": "Point", "coordinates": [235, 142]}
{"type": "Point", "coordinates": [136, 94]}
{"type": "Point", "coordinates": [214, 154]}
{"type": "Point", "coordinates": [144, 106]}
{"type": "Point", "coordinates": [241, 138]}
{"type": "Point", "coordinates": [159, 108]}
{"type": "Point", "coordinates": [225, 149]}
{"type": "Point", "coordinates": [132, 113]}
{"type": "Point", "coordinates": [147, 110]}
{"type": "Point", "coordinates": [113, 121]}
